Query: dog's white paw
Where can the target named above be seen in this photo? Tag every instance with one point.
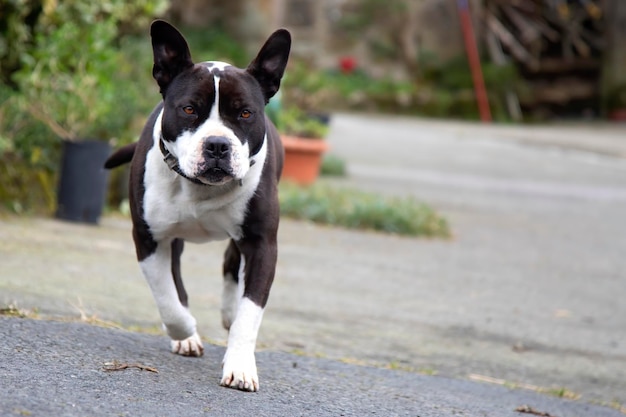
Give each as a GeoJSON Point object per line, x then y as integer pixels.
{"type": "Point", "coordinates": [191, 346]}
{"type": "Point", "coordinates": [239, 371]}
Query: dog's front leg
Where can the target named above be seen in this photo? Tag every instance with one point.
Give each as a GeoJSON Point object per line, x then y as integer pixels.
{"type": "Point", "coordinates": [178, 321]}
{"type": "Point", "coordinates": [257, 268]}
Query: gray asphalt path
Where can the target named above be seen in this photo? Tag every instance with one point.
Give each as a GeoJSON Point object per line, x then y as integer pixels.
{"type": "Point", "coordinates": [529, 292]}
{"type": "Point", "coordinates": [60, 369]}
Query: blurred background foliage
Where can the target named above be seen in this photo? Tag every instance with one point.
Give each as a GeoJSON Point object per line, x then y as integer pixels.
{"type": "Point", "coordinates": [73, 70]}
{"type": "Point", "coordinates": [69, 70]}
{"type": "Point", "coordinates": [82, 69]}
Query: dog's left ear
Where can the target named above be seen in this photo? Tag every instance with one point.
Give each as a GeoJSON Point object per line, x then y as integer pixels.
{"type": "Point", "coordinates": [269, 65]}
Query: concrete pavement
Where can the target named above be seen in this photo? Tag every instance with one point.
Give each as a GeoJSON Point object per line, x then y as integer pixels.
{"type": "Point", "coordinates": [529, 291]}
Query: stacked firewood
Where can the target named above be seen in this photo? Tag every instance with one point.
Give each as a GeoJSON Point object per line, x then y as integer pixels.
{"type": "Point", "coordinates": [557, 46]}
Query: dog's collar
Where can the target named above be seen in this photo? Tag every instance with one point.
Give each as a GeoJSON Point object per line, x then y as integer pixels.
{"type": "Point", "coordinates": [172, 163]}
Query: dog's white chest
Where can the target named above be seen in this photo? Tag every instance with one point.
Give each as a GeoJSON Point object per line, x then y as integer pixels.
{"type": "Point", "coordinates": [172, 212]}
{"type": "Point", "coordinates": [176, 208]}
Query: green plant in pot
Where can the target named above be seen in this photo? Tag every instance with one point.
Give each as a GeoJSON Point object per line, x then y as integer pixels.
{"type": "Point", "coordinates": [67, 82]}
{"type": "Point", "coordinates": [292, 121]}
{"type": "Point", "coordinates": [307, 90]}
{"type": "Point", "coordinates": [302, 138]}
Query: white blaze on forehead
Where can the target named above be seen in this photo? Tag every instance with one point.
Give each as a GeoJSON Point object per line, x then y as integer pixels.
{"type": "Point", "coordinates": [215, 110]}
{"type": "Point", "coordinates": [218, 65]}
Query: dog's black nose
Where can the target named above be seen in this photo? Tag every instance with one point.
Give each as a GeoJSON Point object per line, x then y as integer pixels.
{"type": "Point", "coordinates": [217, 147]}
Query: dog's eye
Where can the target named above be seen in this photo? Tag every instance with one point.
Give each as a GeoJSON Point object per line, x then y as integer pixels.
{"type": "Point", "coordinates": [245, 114]}
{"type": "Point", "coordinates": [189, 110]}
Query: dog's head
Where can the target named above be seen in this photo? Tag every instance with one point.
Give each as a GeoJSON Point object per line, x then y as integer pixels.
{"type": "Point", "coordinates": [213, 118]}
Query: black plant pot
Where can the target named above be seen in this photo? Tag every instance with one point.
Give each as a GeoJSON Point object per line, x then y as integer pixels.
{"type": "Point", "coordinates": [83, 181]}
{"type": "Point", "coordinates": [323, 118]}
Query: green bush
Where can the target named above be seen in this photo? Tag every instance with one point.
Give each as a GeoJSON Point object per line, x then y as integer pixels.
{"type": "Point", "coordinates": [333, 166]}
{"type": "Point", "coordinates": [66, 84]}
{"type": "Point", "coordinates": [28, 156]}
{"type": "Point", "coordinates": [214, 44]}
{"type": "Point", "coordinates": [72, 76]}
{"type": "Point", "coordinates": [356, 209]}
{"type": "Point", "coordinates": [65, 74]}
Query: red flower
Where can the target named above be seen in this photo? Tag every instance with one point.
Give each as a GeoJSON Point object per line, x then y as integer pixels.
{"type": "Point", "coordinates": [347, 64]}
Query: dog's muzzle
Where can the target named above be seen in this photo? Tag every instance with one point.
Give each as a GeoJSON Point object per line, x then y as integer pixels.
{"type": "Point", "coordinates": [216, 168]}
{"type": "Point", "coordinates": [172, 163]}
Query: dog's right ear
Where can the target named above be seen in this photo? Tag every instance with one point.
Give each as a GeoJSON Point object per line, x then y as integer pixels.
{"type": "Point", "coordinates": [171, 53]}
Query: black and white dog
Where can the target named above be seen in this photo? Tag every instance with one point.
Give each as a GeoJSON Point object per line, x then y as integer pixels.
{"type": "Point", "coordinates": [206, 167]}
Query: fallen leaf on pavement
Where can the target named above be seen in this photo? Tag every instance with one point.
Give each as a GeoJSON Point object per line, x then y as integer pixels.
{"type": "Point", "coordinates": [529, 410]}
{"type": "Point", "coordinates": [117, 366]}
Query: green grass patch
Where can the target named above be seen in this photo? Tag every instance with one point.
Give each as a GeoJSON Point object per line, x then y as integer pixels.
{"type": "Point", "coordinates": [12, 311]}
{"type": "Point", "coordinates": [325, 204]}
{"type": "Point", "coordinates": [333, 166]}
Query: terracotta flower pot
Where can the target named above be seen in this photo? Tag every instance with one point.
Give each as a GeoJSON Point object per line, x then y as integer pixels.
{"type": "Point", "coordinates": [303, 157]}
